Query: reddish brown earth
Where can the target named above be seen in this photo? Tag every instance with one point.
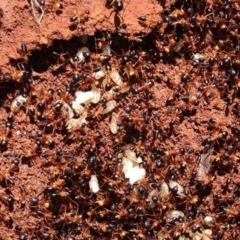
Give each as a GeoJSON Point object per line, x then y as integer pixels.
{"type": "Point", "coordinates": [19, 25]}
{"type": "Point", "coordinates": [157, 110]}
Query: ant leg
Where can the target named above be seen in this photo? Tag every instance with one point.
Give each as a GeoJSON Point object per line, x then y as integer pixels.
{"type": "Point", "coordinates": [111, 13]}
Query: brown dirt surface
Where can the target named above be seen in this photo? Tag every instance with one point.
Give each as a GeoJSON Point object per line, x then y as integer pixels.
{"type": "Point", "coordinates": [19, 23]}
{"type": "Point", "coordinates": [177, 108]}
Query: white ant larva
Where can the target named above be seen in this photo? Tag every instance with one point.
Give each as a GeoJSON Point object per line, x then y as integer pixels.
{"type": "Point", "coordinates": [110, 106]}
{"type": "Point", "coordinates": [106, 49]}
{"type": "Point", "coordinates": [93, 184]}
{"type": "Point", "coordinates": [116, 77]}
{"type": "Point", "coordinates": [131, 167]}
{"type": "Point", "coordinates": [173, 214]}
{"type": "Point", "coordinates": [113, 123]}
{"type": "Point", "coordinates": [131, 155]}
{"type": "Point", "coordinates": [99, 74]}
{"type": "Point", "coordinates": [96, 94]}
{"type": "Point", "coordinates": [80, 55]}
{"type": "Point", "coordinates": [17, 103]}
{"type": "Point", "coordinates": [83, 97]}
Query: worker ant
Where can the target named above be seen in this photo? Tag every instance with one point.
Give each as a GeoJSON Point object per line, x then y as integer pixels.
{"type": "Point", "coordinates": [118, 7]}
{"type": "Point", "coordinates": [23, 52]}
{"type": "Point", "coordinates": [78, 19]}
{"type": "Point", "coordinates": [55, 6]}
{"type": "Point", "coordinates": [118, 4]}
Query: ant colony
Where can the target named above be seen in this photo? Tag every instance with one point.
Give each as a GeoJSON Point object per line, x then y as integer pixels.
{"type": "Point", "coordinates": [126, 136]}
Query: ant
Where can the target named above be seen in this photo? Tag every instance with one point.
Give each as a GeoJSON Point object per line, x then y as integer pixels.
{"type": "Point", "coordinates": [230, 212]}
{"type": "Point", "coordinates": [229, 197]}
{"type": "Point", "coordinates": [190, 199]}
{"type": "Point", "coordinates": [124, 213]}
{"type": "Point", "coordinates": [7, 219]}
{"type": "Point", "coordinates": [23, 52]}
{"type": "Point", "coordinates": [140, 233]}
{"type": "Point", "coordinates": [46, 215]}
{"type": "Point", "coordinates": [189, 41]}
{"type": "Point", "coordinates": [217, 123]}
{"type": "Point", "coordinates": [31, 153]}
{"type": "Point", "coordinates": [137, 122]}
{"type": "Point", "coordinates": [231, 95]}
{"type": "Point", "coordinates": [58, 183]}
{"type": "Point", "coordinates": [7, 174]}
{"type": "Point", "coordinates": [172, 153]}
{"type": "Point", "coordinates": [236, 82]}
{"type": "Point", "coordinates": [161, 27]}
{"type": "Point", "coordinates": [218, 136]}
{"type": "Point", "coordinates": [48, 140]}
{"type": "Point", "coordinates": [142, 66]}
{"type": "Point", "coordinates": [7, 133]}
{"type": "Point", "coordinates": [104, 42]}
{"type": "Point", "coordinates": [171, 46]}
{"type": "Point", "coordinates": [15, 75]}
{"type": "Point", "coordinates": [234, 34]}
{"type": "Point", "coordinates": [144, 88]}
{"type": "Point", "coordinates": [206, 180]}
{"type": "Point", "coordinates": [50, 234]}
{"type": "Point", "coordinates": [178, 13]}
{"type": "Point", "coordinates": [183, 23]}
{"type": "Point", "coordinates": [131, 38]}
{"type": "Point", "coordinates": [29, 227]}
{"type": "Point", "coordinates": [61, 60]}
{"type": "Point", "coordinates": [7, 199]}
{"type": "Point", "coordinates": [208, 91]}
{"type": "Point", "coordinates": [129, 70]}
{"type": "Point", "coordinates": [23, 197]}
{"type": "Point", "coordinates": [232, 158]}
{"type": "Point", "coordinates": [102, 57]}
{"type": "Point", "coordinates": [220, 156]}
{"type": "Point", "coordinates": [198, 20]}
{"type": "Point", "coordinates": [190, 100]}
{"type": "Point", "coordinates": [82, 17]}
{"type": "Point", "coordinates": [147, 22]}
{"type": "Point", "coordinates": [55, 6]}
{"type": "Point", "coordinates": [118, 4]}
{"type": "Point", "coordinates": [43, 96]}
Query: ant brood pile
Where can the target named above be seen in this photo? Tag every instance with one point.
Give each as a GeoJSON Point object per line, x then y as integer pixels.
{"type": "Point", "coordinates": [132, 131]}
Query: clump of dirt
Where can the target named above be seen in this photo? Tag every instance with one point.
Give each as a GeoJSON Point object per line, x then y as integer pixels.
{"type": "Point", "coordinates": [117, 123]}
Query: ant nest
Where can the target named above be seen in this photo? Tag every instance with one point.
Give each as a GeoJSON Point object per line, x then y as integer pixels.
{"type": "Point", "coordinates": [126, 136]}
